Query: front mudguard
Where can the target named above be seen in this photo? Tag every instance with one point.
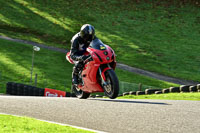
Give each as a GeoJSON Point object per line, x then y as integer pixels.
{"type": "Point", "coordinates": [103, 73]}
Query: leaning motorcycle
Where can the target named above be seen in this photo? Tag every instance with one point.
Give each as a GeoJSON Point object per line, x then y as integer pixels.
{"type": "Point", "coordinates": [98, 74]}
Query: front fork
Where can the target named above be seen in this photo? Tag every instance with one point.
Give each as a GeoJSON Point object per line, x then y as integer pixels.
{"type": "Point", "coordinates": [102, 74]}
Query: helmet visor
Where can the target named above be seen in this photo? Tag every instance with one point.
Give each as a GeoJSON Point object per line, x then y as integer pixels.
{"type": "Point", "coordinates": [88, 38]}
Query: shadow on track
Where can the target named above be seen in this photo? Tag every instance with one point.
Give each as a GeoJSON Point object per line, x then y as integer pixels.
{"type": "Point", "coordinates": [128, 101]}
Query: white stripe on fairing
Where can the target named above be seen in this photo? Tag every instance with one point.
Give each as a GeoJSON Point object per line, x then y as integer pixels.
{"type": "Point", "coordinates": [59, 123]}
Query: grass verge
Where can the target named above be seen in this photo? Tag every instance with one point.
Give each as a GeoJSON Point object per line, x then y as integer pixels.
{"type": "Point", "coordinates": [51, 67]}
{"type": "Point", "coordinates": [169, 96]}
{"type": "Point", "coordinates": [10, 124]}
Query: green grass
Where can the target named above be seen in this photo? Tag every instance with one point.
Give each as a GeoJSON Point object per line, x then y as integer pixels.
{"type": "Point", "coordinates": [13, 124]}
{"type": "Point", "coordinates": [52, 68]}
{"type": "Point", "coordinates": [162, 37]}
{"type": "Point", "coordinates": [15, 65]}
{"type": "Point", "coordinates": [169, 96]}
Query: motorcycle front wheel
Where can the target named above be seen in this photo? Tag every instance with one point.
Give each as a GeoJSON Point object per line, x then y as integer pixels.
{"type": "Point", "coordinates": [112, 88]}
{"type": "Point", "coordinates": [79, 93]}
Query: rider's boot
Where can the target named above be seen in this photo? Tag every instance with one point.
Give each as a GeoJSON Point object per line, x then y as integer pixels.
{"type": "Point", "coordinates": [75, 76]}
{"type": "Point", "coordinates": [75, 79]}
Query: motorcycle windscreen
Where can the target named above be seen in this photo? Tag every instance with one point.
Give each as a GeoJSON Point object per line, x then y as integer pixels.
{"type": "Point", "coordinates": [97, 44]}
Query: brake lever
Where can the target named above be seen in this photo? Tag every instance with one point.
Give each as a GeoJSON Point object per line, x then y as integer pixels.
{"type": "Point", "coordinates": [88, 60]}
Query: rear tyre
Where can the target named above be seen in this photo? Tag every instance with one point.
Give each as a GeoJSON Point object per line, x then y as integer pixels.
{"type": "Point", "coordinates": [112, 88]}
{"type": "Point", "coordinates": [79, 93]}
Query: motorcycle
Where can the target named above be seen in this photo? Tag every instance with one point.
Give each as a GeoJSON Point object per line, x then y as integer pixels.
{"type": "Point", "coordinates": [98, 74]}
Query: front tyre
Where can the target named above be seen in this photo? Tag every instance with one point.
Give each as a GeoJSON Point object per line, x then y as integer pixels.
{"type": "Point", "coordinates": [79, 93]}
{"type": "Point", "coordinates": [112, 88]}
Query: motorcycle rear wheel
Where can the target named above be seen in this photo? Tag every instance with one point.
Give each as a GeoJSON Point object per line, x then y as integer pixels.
{"type": "Point", "coordinates": [79, 93]}
{"type": "Point", "coordinates": [112, 89]}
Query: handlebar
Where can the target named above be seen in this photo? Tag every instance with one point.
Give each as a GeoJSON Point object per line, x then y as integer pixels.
{"type": "Point", "coordinates": [88, 60]}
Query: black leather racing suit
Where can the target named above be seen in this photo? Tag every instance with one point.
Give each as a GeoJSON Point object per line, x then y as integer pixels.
{"type": "Point", "coordinates": [78, 48]}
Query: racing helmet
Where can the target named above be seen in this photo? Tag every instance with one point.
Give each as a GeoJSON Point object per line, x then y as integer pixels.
{"type": "Point", "coordinates": [87, 32]}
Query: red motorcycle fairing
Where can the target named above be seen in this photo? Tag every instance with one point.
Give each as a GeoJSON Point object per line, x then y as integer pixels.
{"type": "Point", "coordinates": [100, 56]}
{"type": "Point", "coordinates": [90, 70]}
{"type": "Point", "coordinates": [89, 78]}
{"type": "Point", "coordinates": [69, 58]}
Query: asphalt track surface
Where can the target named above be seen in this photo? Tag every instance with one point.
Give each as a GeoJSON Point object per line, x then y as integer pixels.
{"type": "Point", "coordinates": [115, 116]}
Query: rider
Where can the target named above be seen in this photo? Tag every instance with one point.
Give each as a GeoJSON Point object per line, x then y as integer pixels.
{"type": "Point", "coordinates": [79, 44]}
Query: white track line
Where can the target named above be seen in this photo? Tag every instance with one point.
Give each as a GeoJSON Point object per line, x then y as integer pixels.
{"type": "Point", "coordinates": [59, 123]}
